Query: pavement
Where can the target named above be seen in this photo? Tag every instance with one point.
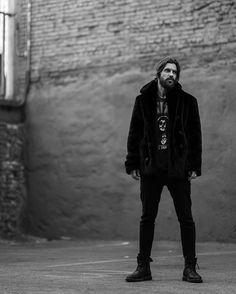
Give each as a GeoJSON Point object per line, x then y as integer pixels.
{"type": "Point", "coordinates": [86, 267]}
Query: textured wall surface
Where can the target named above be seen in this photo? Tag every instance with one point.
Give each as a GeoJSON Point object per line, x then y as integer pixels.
{"type": "Point", "coordinates": [77, 146]}
{"type": "Point", "coordinates": [80, 38]}
{"type": "Point", "coordinates": [89, 60]}
{"type": "Point", "coordinates": [13, 200]}
{"type": "Point", "coordinates": [12, 179]}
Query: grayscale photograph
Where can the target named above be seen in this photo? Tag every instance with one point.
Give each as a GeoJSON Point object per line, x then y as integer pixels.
{"type": "Point", "coordinates": [117, 147]}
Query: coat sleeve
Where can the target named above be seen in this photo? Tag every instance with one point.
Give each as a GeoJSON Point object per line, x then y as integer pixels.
{"type": "Point", "coordinates": [195, 139]}
{"type": "Point", "coordinates": [134, 138]}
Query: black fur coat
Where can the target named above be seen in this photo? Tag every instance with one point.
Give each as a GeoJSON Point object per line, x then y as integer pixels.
{"type": "Point", "coordinates": [184, 132]}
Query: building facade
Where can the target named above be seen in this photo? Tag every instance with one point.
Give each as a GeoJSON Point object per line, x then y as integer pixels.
{"type": "Point", "coordinates": [78, 66]}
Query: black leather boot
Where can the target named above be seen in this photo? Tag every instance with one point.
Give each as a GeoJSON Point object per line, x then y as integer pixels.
{"type": "Point", "coordinates": [189, 273]}
{"type": "Point", "coordinates": [142, 272]}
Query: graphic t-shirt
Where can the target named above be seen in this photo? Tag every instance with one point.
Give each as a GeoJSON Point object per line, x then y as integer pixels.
{"type": "Point", "coordinates": [162, 133]}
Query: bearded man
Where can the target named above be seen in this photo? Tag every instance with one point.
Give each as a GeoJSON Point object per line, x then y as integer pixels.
{"type": "Point", "coordinates": [164, 148]}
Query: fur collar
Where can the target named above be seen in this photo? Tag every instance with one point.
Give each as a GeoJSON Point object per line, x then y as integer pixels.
{"type": "Point", "coordinates": [148, 101]}
{"type": "Point", "coordinates": [151, 87]}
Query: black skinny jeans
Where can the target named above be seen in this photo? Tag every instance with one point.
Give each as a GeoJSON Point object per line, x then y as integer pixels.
{"type": "Point", "coordinates": [180, 190]}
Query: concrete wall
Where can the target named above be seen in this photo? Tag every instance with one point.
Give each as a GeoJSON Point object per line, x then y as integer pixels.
{"type": "Point", "coordinates": [89, 60]}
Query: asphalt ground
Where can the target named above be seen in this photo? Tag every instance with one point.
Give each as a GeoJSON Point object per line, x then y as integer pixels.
{"type": "Point", "coordinates": [72, 266]}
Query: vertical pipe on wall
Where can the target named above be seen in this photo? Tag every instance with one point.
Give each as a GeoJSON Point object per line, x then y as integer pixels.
{"type": "Point", "coordinates": [28, 50]}
{"type": "Point", "coordinates": [2, 73]}
{"type": "Point", "coordinates": [10, 50]}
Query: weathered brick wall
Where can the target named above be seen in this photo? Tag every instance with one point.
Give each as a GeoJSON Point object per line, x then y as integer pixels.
{"type": "Point", "coordinates": [79, 38]}
{"type": "Point", "coordinates": [12, 137]}
{"type": "Point", "coordinates": [12, 179]}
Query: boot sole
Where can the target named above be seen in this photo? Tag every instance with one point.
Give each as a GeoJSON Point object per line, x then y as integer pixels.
{"type": "Point", "coordinates": [148, 278]}
{"type": "Point", "coordinates": [191, 281]}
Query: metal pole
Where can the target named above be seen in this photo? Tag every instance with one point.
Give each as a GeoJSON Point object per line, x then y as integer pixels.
{"type": "Point", "coordinates": [10, 52]}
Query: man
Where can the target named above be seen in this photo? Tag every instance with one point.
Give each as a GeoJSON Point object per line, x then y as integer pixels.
{"type": "Point", "coordinates": [164, 148]}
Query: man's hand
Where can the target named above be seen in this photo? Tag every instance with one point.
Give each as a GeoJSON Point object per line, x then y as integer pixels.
{"type": "Point", "coordinates": [192, 175]}
{"type": "Point", "coordinates": [135, 174]}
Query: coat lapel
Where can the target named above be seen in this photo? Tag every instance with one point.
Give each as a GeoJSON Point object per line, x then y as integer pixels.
{"type": "Point", "coordinates": [150, 114]}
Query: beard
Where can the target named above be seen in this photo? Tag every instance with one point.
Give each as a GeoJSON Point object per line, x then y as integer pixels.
{"type": "Point", "coordinates": [168, 83]}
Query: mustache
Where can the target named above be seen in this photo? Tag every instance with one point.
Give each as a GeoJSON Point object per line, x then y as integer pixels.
{"type": "Point", "coordinates": [170, 79]}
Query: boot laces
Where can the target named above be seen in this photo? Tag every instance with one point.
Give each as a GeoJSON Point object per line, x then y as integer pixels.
{"type": "Point", "coordinates": [192, 264]}
{"type": "Point", "coordinates": [193, 267]}
{"type": "Point", "coordinates": [143, 262]}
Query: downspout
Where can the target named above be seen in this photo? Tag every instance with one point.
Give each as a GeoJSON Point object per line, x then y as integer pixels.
{"type": "Point", "coordinates": [9, 87]}
{"type": "Point", "coordinates": [7, 76]}
{"type": "Point", "coordinates": [2, 77]}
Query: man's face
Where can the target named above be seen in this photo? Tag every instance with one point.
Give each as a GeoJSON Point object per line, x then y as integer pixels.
{"type": "Point", "coordinates": [168, 76]}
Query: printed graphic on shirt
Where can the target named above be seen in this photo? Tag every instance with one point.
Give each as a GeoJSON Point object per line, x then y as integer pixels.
{"type": "Point", "coordinates": [162, 125]}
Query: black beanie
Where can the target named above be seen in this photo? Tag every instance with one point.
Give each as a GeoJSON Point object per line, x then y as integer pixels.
{"type": "Point", "coordinates": [161, 64]}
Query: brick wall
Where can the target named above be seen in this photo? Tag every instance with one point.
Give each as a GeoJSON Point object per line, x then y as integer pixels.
{"type": "Point", "coordinates": [80, 38]}
{"type": "Point", "coordinates": [12, 179]}
{"type": "Point", "coordinates": [12, 138]}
